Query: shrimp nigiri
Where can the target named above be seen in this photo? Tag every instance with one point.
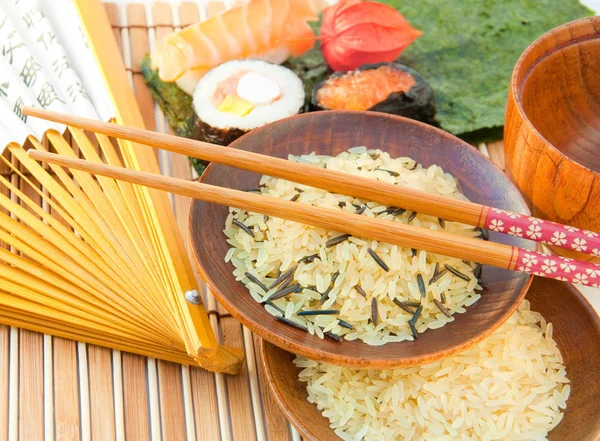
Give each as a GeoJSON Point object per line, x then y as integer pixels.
{"type": "Point", "coordinates": [271, 30]}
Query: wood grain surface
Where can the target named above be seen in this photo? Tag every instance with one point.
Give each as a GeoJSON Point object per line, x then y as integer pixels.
{"type": "Point", "coordinates": [576, 331]}
{"type": "Point", "coordinates": [552, 126]}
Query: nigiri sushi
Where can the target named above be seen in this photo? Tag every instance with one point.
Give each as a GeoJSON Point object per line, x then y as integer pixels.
{"type": "Point", "coordinates": [270, 30]}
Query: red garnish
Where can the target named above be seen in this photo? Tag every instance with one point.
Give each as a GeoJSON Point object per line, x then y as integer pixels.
{"type": "Point", "coordinates": [354, 33]}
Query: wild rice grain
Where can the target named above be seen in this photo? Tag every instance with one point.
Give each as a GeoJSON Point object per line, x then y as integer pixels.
{"type": "Point", "coordinates": [398, 212]}
{"type": "Point", "coordinates": [295, 197]}
{"type": "Point", "coordinates": [333, 336]}
{"type": "Point", "coordinates": [274, 306]}
{"type": "Point", "coordinates": [361, 210]}
{"type": "Point", "coordinates": [336, 240]}
{"type": "Point", "coordinates": [478, 270]}
{"type": "Point", "coordinates": [291, 323]}
{"type": "Point", "coordinates": [421, 284]}
{"type": "Point", "coordinates": [309, 259]}
{"type": "Point", "coordinates": [254, 279]}
{"type": "Point", "coordinates": [319, 312]}
{"type": "Point", "coordinates": [457, 273]}
{"type": "Point", "coordinates": [413, 330]}
{"type": "Point", "coordinates": [391, 172]}
{"type": "Point", "coordinates": [403, 306]}
{"type": "Point", "coordinates": [443, 297]}
{"type": "Point", "coordinates": [283, 277]}
{"type": "Point", "coordinates": [437, 276]}
{"type": "Point", "coordinates": [442, 223]}
{"type": "Point", "coordinates": [374, 312]}
{"type": "Point", "coordinates": [442, 308]}
{"type": "Point", "coordinates": [243, 227]}
{"type": "Point", "coordinates": [345, 324]}
{"type": "Point", "coordinates": [360, 291]}
{"type": "Point", "coordinates": [412, 216]}
{"type": "Point", "coordinates": [378, 260]}
{"type": "Point", "coordinates": [416, 315]}
{"type": "Point", "coordinates": [283, 292]}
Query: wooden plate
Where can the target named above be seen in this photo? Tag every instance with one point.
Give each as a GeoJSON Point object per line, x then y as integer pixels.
{"type": "Point", "coordinates": [330, 133]}
{"type": "Point", "coordinates": [576, 330]}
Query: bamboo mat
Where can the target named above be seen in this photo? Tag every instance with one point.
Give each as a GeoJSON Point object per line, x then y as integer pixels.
{"type": "Point", "coordinates": [57, 389]}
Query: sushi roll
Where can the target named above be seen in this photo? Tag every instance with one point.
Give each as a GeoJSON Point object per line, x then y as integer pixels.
{"type": "Point", "coordinates": [384, 87]}
{"type": "Point", "coordinates": [240, 95]}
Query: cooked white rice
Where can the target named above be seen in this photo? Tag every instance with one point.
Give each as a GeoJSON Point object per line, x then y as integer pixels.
{"type": "Point", "coordinates": [511, 386]}
{"type": "Point", "coordinates": [278, 245]}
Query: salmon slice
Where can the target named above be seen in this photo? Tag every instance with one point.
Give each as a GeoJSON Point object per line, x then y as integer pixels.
{"type": "Point", "coordinates": [362, 89]}
{"type": "Point", "coordinates": [250, 30]}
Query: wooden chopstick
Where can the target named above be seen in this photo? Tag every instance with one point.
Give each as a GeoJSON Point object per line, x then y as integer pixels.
{"type": "Point", "coordinates": [470, 213]}
{"type": "Point", "coordinates": [440, 242]}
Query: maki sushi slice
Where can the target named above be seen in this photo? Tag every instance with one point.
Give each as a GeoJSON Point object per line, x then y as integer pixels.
{"type": "Point", "coordinates": [240, 95]}
{"type": "Point", "coordinates": [384, 87]}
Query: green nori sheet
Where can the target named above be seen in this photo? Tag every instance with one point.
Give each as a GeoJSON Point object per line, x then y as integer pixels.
{"type": "Point", "coordinates": [175, 104]}
{"type": "Point", "coordinates": [469, 48]}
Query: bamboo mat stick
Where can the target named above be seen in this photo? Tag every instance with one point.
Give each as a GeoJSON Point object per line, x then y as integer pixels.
{"type": "Point", "coordinates": [135, 397]}
{"type": "Point", "coordinates": [171, 401]}
{"type": "Point", "coordinates": [153, 398]}
{"type": "Point", "coordinates": [4, 377]}
{"type": "Point", "coordinates": [13, 388]}
{"type": "Point", "coordinates": [205, 405]}
{"type": "Point", "coordinates": [117, 380]}
{"type": "Point", "coordinates": [238, 387]}
{"type": "Point", "coordinates": [257, 406]}
{"type": "Point", "coordinates": [31, 386]}
{"type": "Point", "coordinates": [84, 392]}
{"type": "Point", "coordinates": [101, 393]}
{"type": "Point", "coordinates": [65, 385]}
{"type": "Point", "coordinates": [188, 405]}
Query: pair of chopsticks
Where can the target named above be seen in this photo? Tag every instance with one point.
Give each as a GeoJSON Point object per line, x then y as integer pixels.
{"type": "Point", "coordinates": [499, 255]}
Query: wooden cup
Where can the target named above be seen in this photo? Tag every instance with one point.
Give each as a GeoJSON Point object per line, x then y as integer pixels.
{"type": "Point", "coordinates": [552, 128]}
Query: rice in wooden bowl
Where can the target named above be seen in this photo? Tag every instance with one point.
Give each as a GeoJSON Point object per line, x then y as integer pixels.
{"type": "Point", "coordinates": [243, 256]}
{"type": "Point", "coordinates": [535, 374]}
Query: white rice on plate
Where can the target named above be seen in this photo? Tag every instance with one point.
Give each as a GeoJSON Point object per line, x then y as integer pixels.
{"type": "Point", "coordinates": [335, 276]}
{"type": "Point", "coordinates": [510, 386]}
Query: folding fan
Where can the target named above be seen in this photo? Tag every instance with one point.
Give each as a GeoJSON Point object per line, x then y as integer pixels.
{"type": "Point", "coordinates": [95, 260]}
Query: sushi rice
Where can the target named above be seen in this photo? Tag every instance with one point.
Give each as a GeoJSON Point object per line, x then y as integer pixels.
{"type": "Point", "coordinates": [278, 245]}
{"type": "Point", "coordinates": [289, 103]}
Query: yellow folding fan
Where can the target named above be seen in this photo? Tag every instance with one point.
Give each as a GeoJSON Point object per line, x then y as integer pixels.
{"type": "Point", "coordinates": [98, 260]}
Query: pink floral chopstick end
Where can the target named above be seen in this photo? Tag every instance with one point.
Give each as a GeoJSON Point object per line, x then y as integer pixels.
{"type": "Point", "coordinates": [543, 231]}
{"type": "Point", "coordinates": [558, 268]}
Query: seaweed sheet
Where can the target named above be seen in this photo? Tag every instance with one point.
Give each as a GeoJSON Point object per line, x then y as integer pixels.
{"type": "Point", "coordinates": [469, 48]}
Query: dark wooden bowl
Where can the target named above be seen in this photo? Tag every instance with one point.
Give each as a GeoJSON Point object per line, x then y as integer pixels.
{"type": "Point", "coordinates": [576, 330]}
{"type": "Point", "coordinates": [330, 133]}
{"type": "Point", "coordinates": [552, 128]}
